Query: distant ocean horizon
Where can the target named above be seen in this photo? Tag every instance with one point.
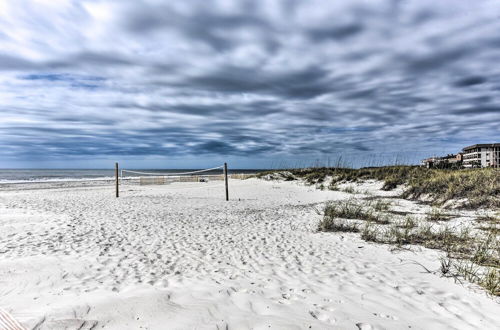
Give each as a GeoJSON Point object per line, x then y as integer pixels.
{"type": "Point", "coordinates": [55, 175]}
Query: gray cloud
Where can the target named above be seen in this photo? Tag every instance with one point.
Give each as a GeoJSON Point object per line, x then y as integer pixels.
{"type": "Point", "coordinates": [336, 33]}
{"type": "Point", "coordinates": [470, 81]}
{"type": "Point", "coordinates": [12, 62]}
{"type": "Point", "coordinates": [304, 83]}
{"type": "Point", "coordinates": [247, 79]}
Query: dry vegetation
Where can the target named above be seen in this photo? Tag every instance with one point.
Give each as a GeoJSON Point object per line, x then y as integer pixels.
{"type": "Point", "coordinates": [475, 187]}
{"type": "Point", "coordinates": [469, 255]}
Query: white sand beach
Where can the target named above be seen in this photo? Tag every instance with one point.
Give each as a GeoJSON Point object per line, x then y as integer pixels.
{"type": "Point", "coordinates": [180, 257]}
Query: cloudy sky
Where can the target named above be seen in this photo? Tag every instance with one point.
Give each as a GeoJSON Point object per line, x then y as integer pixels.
{"type": "Point", "coordinates": [255, 83]}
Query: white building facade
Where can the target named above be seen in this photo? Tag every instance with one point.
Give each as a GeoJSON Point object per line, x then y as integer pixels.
{"type": "Point", "coordinates": [482, 155]}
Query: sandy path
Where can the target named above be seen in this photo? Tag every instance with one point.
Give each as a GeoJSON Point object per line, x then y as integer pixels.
{"type": "Point", "coordinates": [176, 257]}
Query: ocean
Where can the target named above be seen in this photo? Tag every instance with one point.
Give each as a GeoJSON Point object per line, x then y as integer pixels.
{"type": "Point", "coordinates": [56, 175]}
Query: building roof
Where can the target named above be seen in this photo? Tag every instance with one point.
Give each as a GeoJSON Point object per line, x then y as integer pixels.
{"type": "Point", "coordinates": [483, 145]}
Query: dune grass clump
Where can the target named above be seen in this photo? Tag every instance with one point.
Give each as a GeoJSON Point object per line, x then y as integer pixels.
{"type": "Point", "coordinates": [276, 175]}
{"type": "Point", "coordinates": [489, 223]}
{"type": "Point", "coordinates": [352, 209]}
{"type": "Point", "coordinates": [486, 277]}
{"type": "Point", "coordinates": [349, 190]}
{"type": "Point", "coordinates": [336, 214]}
{"type": "Point", "coordinates": [486, 251]}
{"type": "Point", "coordinates": [315, 177]}
{"type": "Point", "coordinates": [479, 187]}
{"type": "Point", "coordinates": [409, 233]}
{"type": "Point", "coordinates": [381, 205]}
{"type": "Point", "coordinates": [371, 233]}
{"type": "Point", "coordinates": [337, 225]}
{"type": "Point", "coordinates": [444, 238]}
{"type": "Point", "coordinates": [489, 218]}
{"type": "Point", "coordinates": [408, 222]}
{"type": "Point", "coordinates": [333, 187]}
{"type": "Point", "coordinates": [457, 243]}
{"type": "Point", "coordinates": [491, 281]}
{"type": "Point", "coordinates": [436, 215]}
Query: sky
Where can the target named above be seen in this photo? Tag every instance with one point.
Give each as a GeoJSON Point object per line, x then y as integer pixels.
{"type": "Point", "coordinates": [258, 84]}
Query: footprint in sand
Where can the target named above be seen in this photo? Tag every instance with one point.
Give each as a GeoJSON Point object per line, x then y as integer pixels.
{"type": "Point", "coordinates": [386, 316]}
{"type": "Point", "coordinates": [367, 326]}
{"type": "Point", "coordinates": [323, 317]}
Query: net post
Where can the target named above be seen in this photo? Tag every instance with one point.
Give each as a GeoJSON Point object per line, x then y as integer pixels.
{"type": "Point", "coordinates": [116, 180]}
{"type": "Point", "coordinates": [225, 181]}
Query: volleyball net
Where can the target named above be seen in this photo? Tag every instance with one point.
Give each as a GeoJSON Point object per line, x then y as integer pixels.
{"type": "Point", "coordinates": [164, 177]}
{"type": "Point", "coordinates": [160, 178]}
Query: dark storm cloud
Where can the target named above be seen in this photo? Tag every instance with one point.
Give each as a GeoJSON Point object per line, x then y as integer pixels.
{"type": "Point", "coordinates": [340, 32]}
{"type": "Point", "coordinates": [470, 81]}
{"type": "Point", "coordinates": [304, 83]}
{"type": "Point", "coordinates": [438, 59]}
{"type": "Point", "coordinates": [479, 109]}
{"type": "Point", "coordinates": [257, 108]}
{"type": "Point", "coordinates": [252, 79]}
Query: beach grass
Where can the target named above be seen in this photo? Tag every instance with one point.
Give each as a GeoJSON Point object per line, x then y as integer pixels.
{"type": "Point", "coordinates": [476, 187]}
{"type": "Point", "coordinates": [436, 214]}
{"type": "Point", "coordinates": [470, 255]}
{"type": "Point", "coordinates": [354, 209]}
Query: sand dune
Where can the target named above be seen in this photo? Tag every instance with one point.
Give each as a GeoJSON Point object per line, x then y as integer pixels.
{"type": "Point", "coordinates": [180, 257]}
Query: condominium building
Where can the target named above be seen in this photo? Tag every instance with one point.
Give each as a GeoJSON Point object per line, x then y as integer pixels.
{"type": "Point", "coordinates": [482, 155]}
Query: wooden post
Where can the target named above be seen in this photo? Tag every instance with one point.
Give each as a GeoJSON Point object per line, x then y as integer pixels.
{"type": "Point", "coordinates": [225, 181]}
{"type": "Point", "coordinates": [116, 180]}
